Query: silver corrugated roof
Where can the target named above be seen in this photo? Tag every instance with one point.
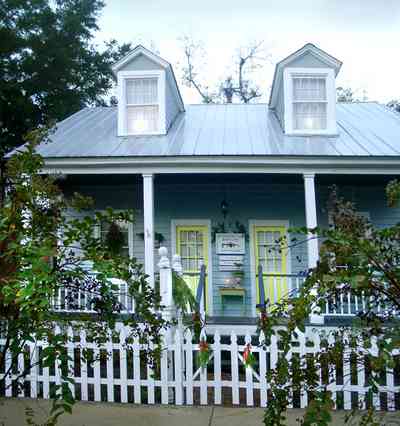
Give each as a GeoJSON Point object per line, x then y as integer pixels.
{"type": "Point", "coordinates": [365, 129]}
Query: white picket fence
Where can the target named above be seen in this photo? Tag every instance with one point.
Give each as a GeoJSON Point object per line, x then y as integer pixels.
{"type": "Point", "coordinates": [121, 373]}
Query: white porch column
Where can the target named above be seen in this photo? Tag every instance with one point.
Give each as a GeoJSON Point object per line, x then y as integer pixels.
{"type": "Point", "coordinates": [312, 240]}
{"type": "Point", "coordinates": [311, 218]}
{"type": "Point", "coordinates": [148, 213]}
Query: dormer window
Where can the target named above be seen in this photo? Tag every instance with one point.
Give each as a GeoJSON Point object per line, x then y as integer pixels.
{"type": "Point", "coordinates": [309, 101]}
{"type": "Point", "coordinates": [141, 104]}
{"type": "Point", "coordinates": [142, 115]}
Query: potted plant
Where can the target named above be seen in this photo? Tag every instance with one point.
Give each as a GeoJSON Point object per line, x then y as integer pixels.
{"type": "Point", "coordinates": [238, 275]}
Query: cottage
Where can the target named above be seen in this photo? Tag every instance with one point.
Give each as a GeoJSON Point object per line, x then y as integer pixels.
{"type": "Point", "coordinates": [221, 185]}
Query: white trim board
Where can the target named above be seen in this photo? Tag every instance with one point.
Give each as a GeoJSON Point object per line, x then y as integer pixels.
{"type": "Point", "coordinates": [199, 222]}
{"type": "Point", "coordinates": [253, 278]}
{"type": "Point", "coordinates": [351, 165]}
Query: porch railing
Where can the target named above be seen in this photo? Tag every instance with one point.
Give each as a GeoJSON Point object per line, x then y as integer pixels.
{"type": "Point", "coordinates": [81, 300]}
{"type": "Point", "coordinates": [272, 288]}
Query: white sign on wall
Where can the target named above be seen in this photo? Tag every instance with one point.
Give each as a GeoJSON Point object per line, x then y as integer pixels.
{"type": "Point", "coordinates": [230, 263]}
{"type": "Point", "coordinates": [230, 243]}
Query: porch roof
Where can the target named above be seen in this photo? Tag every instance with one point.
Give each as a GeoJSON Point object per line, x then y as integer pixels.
{"type": "Point", "coordinates": [365, 129]}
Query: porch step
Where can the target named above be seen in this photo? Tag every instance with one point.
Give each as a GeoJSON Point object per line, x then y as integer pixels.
{"type": "Point", "coordinates": [231, 320]}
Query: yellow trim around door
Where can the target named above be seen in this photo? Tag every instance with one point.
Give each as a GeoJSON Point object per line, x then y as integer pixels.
{"type": "Point", "coordinates": [192, 245]}
{"type": "Point", "coordinates": [273, 261]}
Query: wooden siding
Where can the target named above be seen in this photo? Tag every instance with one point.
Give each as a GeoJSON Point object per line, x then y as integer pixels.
{"type": "Point", "coordinates": [246, 202]}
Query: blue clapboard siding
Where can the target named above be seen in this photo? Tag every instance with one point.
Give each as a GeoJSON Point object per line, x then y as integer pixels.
{"type": "Point", "coordinates": [246, 202]}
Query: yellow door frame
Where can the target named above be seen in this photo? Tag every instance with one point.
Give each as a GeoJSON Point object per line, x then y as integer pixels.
{"type": "Point", "coordinates": [192, 276]}
{"type": "Point", "coordinates": [268, 278]}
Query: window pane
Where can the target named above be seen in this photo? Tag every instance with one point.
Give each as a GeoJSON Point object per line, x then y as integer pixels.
{"type": "Point", "coordinates": [309, 88]}
{"type": "Point", "coordinates": [142, 119]}
{"type": "Point", "coordinates": [309, 116]}
{"type": "Point", "coordinates": [141, 91]}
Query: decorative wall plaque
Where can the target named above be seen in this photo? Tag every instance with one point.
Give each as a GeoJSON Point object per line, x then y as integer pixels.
{"type": "Point", "coordinates": [230, 243]}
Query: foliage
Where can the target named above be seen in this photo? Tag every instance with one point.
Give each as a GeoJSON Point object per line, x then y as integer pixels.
{"type": "Point", "coordinates": [347, 94]}
{"type": "Point", "coordinates": [204, 353]}
{"type": "Point", "coordinates": [222, 228]}
{"type": "Point", "coordinates": [43, 249]}
{"type": "Point", "coordinates": [358, 258]}
{"type": "Point", "coordinates": [182, 294]}
{"type": "Point", "coordinates": [248, 357]}
{"type": "Point", "coordinates": [394, 104]}
{"type": "Point", "coordinates": [49, 64]}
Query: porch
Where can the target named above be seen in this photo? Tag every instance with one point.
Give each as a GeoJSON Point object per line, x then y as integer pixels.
{"type": "Point", "coordinates": [185, 213]}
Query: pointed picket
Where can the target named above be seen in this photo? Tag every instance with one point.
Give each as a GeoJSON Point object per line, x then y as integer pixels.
{"type": "Point", "coordinates": [84, 371]}
{"type": "Point", "coordinates": [122, 364]}
{"type": "Point", "coordinates": [178, 361]}
{"type": "Point", "coordinates": [136, 371]}
{"type": "Point", "coordinates": [217, 369]}
{"type": "Point", "coordinates": [249, 376]}
{"type": "Point", "coordinates": [263, 370]}
{"type": "Point", "coordinates": [164, 370]}
{"type": "Point", "coordinates": [234, 369]}
{"type": "Point", "coordinates": [189, 367]}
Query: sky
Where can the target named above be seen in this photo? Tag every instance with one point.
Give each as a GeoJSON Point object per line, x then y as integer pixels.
{"type": "Point", "coordinates": [363, 34]}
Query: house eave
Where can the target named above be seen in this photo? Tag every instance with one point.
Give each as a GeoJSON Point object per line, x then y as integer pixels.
{"type": "Point", "coordinates": [350, 165]}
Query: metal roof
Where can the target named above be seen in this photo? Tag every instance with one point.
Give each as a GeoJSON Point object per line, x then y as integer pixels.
{"type": "Point", "coordinates": [365, 129]}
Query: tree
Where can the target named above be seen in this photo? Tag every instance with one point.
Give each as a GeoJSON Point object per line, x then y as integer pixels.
{"type": "Point", "coordinates": [394, 104]}
{"type": "Point", "coordinates": [43, 251]}
{"type": "Point", "coordinates": [347, 94]}
{"type": "Point", "coordinates": [358, 259]}
{"type": "Point", "coordinates": [49, 65]}
{"type": "Point", "coordinates": [237, 86]}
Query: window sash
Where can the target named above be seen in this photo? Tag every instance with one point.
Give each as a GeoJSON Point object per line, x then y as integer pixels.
{"type": "Point", "coordinates": [142, 119]}
{"type": "Point", "coordinates": [310, 115]}
{"type": "Point", "coordinates": [141, 91]}
{"type": "Point", "coordinates": [309, 88]}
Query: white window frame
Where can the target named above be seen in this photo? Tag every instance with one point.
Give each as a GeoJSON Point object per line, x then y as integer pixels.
{"type": "Point", "coordinates": [288, 75]}
{"type": "Point", "coordinates": [123, 76]}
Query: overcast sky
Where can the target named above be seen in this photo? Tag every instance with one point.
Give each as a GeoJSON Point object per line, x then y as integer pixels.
{"type": "Point", "coordinates": [363, 34]}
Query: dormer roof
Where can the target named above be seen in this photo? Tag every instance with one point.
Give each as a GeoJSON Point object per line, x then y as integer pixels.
{"type": "Point", "coordinates": [322, 57]}
{"type": "Point", "coordinates": [157, 60]}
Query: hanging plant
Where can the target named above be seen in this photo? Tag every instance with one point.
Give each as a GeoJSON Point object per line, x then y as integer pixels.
{"type": "Point", "coordinates": [204, 353]}
{"type": "Point", "coordinates": [248, 357]}
{"type": "Point", "coordinates": [158, 238]}
{"type": "Point", "coordinates": [223, 228]}
{"type": "Point", "coordinates": [114, 239]}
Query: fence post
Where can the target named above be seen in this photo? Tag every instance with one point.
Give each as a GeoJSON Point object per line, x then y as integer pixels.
{"type": "Point", "coordinates": [167, 359]}
{"type": "Point", "coordinates": [165, 283]}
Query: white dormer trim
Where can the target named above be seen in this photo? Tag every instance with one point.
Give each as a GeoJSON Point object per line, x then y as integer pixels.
{"type": "Point", "coordinates": [308, 48]}
{"type": "Point", "coordinates": [139, 50]}
{"type": "Point", "coordinates": [329, 75]}
{"type": "Point", "coordinates": [123, 76]}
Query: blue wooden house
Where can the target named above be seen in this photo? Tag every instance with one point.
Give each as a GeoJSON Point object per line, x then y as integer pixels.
{"type": "Point", "coordinates": [220, 184]}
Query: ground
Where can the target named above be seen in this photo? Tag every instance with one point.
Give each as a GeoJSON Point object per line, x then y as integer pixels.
{"type": "Point", "coordinates": [113, 414]}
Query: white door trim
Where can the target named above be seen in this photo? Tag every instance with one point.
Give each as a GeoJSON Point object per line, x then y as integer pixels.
{"type": "Point", "coordinates": [252, 224]}
{"type": "Point", "coordinates": [199, 222]}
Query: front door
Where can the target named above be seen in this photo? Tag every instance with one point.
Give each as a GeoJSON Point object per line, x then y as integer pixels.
{"type": "Point", "coordinates": [270, 254]}
{"type": "Point", "coordinates": [192, 246]}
